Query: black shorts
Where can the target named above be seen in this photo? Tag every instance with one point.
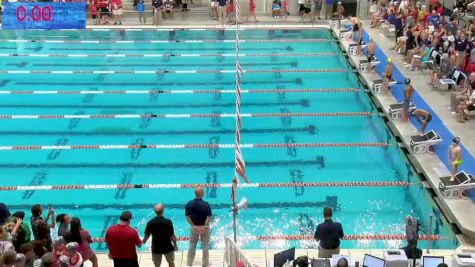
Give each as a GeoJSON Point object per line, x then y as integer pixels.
{"type": "Point", "coordinates": [471, 107]}
{"type": "Point", "coordinates": [429, 118]}
{"type": "Point", "coordinates": [371, 58]}
{"type": "Point", "coordinates": [126, 263]}
{"type": "Point", "coordinates": [302, 7]}
{"type": "Point", "coordinates": [103, 11]}
{"type": "Point", "coordinates": [185, 6]}
{"type": "Point", "coordinates": [307, 10]}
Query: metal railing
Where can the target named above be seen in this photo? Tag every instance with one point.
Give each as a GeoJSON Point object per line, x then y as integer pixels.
{"type": "Point", "coordinates": [234, 256]}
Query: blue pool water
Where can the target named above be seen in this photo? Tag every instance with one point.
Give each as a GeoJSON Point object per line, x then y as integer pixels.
{"type": "Point", "coordinates": [272, 211]}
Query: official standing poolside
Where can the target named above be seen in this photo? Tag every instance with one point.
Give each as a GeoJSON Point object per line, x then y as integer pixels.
{"type": "Point", "coordinates": [329, 234]}
{"type": "Point", "coordinates": [198, 214]}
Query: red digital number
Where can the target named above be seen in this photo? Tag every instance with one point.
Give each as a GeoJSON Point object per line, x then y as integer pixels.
{"type": "Point", "coordinates": [21, 13]}
{"type": "Point", "coordinates": [36, 13]}
{"type": "Point", "coordinates": [47, 13]}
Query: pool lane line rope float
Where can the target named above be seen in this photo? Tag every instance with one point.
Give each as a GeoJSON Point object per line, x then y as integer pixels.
{"type": "Point", "coordinates": [314, 40]}
{"type": "Point", "coordinates": [196, 146]}
{"type": "Point", "coordinates": [185, 116]}
{"type": "Point", "coordinates": [207, 27]}
{"type": "Point", "coordinates": [382, 237]}
{"type": "Point", "coordinates": [184, 91]}
{"type": "Point", "coordinates": [319, 54]}
{"type": "Point", "coordinates": [323, 70]}
{"type": "Point", "coordinates": [212, 185]}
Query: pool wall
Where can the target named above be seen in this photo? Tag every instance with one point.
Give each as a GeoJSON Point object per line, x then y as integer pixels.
{"type": "Point", "coordinates": [436, 124]}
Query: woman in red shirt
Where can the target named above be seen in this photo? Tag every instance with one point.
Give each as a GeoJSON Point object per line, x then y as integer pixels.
{"type": "Point", "coordinates": [252, 10]}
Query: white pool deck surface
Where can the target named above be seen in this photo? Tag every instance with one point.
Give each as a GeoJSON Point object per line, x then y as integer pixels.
{"type": "Point", "coordinates": [458, 211]}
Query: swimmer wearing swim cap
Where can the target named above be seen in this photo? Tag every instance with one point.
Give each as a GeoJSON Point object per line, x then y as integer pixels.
{"type": "Point", "coordinates": [423, 117]}
{"type": "Point", "coordinates": [455, 156]}
{"type": "Point", "coordinates": [408, 91]}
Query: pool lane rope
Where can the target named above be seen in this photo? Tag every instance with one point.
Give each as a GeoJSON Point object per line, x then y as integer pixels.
{"type": "Point", "coordinates": [150, 41]}
{"type": "Point", "coordinates": [381, 237]}
{"type": "Point", "coordinates": [319, 54]}
{"type": "Point", "coordinates": [323, 70]}
{"type": "Point", "coordinates": [186, 116]}
{"type": "Point", "coordinates": [215, 185]}
{"type": "Point", "coordinates": [196, 146]}
{"type": "Point", "coordinates": [184, 91]}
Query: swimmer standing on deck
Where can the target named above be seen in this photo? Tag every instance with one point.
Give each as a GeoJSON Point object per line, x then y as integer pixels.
{"type": "Point", "coordinates": [455, 156]}
{"type": "Point", "coordinates": [408, 91]}
{"type": "Point", "coordinates": [388, 75]}
{"type": "Point", "coordinates": [371, 52]}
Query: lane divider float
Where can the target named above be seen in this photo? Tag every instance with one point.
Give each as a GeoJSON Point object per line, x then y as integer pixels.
{"type": "Point", "coordinates": [186, 116]}
{"type": "Point", "coordinates": [215, 185]}
{"type": "Point", "coordinates": [320, 54]}
{"type": "Point", "coordinates": [150, 41]}
{"type": "Point", "coordinates": [184, 91]}
{"type": "Point", "coordinates": [323, 70]}
{"type": "Point", "coordinates": [194, 146]}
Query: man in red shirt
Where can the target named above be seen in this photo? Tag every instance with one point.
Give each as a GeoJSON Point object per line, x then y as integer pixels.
{"type": "Point", "coordinates": [122, 240]}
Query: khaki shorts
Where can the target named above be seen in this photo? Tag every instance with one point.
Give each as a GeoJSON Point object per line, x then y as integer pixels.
{"type": "Point", "coordinates": [117, 12]}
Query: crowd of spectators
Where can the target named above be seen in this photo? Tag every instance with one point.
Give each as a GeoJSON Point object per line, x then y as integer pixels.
{"type": "Point", "coordinates": [435, 38]}
{"type": "Point", "coordinates": [60, 241]}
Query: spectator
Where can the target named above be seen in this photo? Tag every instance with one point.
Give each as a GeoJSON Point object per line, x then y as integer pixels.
{"type": "Point", "coordinates": [59, 248]}
{"type": "Point", "coordinates": [445, 71]}
{"type": "Point", "coordinates": [329, 9]}
{"type": "Point", "coordinates": [167, 9]}
{"type": "Point", "coordinates": [198, 214]}
{"type": "Point", "coordinates": [328, 234]}
{"type": "Point", "coordinates": [20, 260]}
{"type": "Point", "coordinates": [47, 260]}
{"type": "Point", "coordinates": [461, 45]}
{"type": "Point", "coordinates": [93, 9]}
{"type": "Point", "coordinates": [434, 19]}
{"type": "Point", "coordinates": [122, 240]}
{"type": "Point", "coordinates": [27, 250]}
{"type": "Point", "coordinates": [63, 220]}
{"type": "Point", "coordinates": [17, 233]}
{"type": "Point", "coordinates": [141, 11]}
{"type": "Point", "coordinates": [5, 244]}
{"type": "Point", "coordinates": [465, 107]}
{"type": "Point", "coordinates": [342, 262]}
{"type": "Point", "coordinates": [40, 227]}
{"type": "Point", "coordinates": [285, 9]}
{"type": "Point", "coordinates": [4, 213]}
{"type": "Point", "coordinates": [252, 10]}
{"type": "Point", "coordinates": [452, 27]}
{"type": "Point", "coordinates": [307, 11]}
{"type": "Point", "coordinates": [316, 9]}
{"type": "Point", "coordinates": [276, 8]}
{"type": "Point", "coordinates": [157, 11]}
{"type": "Point", "coordinates": [184, 8]}
{"type": "Point", "coordinates": [8, 259]}
{"type": "Point", "coordinates": [38, 248]}
{"type": "Point", "coordinates": [222, 11]}
{"type": "Point", "coordinates": [84, 239]}
{"type": "Point", "coordinates": [117, 11]}
{"type": "Point", "coordinates": [73, 257]}
{"type": "Point", "coordinates": [103, 10]}
{"type": "Point", "coordinates": [231, 12]}
{"type": "Point", "coordinates": [163, 237]}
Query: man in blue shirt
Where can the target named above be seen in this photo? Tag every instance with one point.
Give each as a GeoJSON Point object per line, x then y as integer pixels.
{"type": "Point", "coordinates": [222, 11]}
{"type": "Point", "coordinates": [198, 214]}
{"type": "Point", "coordinates": [157, 11]}
{"type": "Point", "coordinates": [434, 18]}
{"type": "Point", "coordinates": [329, 234]}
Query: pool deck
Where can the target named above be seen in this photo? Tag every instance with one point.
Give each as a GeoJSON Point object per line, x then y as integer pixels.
{"type": "Point", "coordinates": [457, 211]}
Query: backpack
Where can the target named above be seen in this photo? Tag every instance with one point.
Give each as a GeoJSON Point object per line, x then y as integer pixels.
{"type": "Point", "coordinates": [301, 261]}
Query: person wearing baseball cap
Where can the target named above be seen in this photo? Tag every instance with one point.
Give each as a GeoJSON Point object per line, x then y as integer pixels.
{"type": "Point", "coordinates": [122, 241]}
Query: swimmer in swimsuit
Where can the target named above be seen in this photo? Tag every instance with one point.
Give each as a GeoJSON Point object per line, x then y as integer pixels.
{"type": "Point", "coordinates": [371, 52]}
{"type": "Point", "coordinates": [423, 117]}
{"type": "Point", "coordinates": [455, 157]}
{"type": "Point", "coordinates": [408, 91]}
{"type": "Point", "coordinates": [388, 75]}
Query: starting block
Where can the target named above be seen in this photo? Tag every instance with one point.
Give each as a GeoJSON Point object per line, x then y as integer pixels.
{"type": "Point", "coordinates": [396, 110]}
{"type": "Point", "coordinates": [458, 187]}
{"type": "Point", "coordinates": [421, 143]}
{"type": "Point", "coordinates": [334, 24]}
{"type": "Point", "coordinates": [378, 85]}
{"type": "Point", "coordinates": [345, 35]}
{"type": "Point", "coordinates": [363, 66]}
{"type": "Point", "coordinates": [353, 48]}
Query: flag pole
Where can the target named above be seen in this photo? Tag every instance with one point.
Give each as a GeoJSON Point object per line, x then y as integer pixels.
{"type": "Point", "coordinates": [238, 156]}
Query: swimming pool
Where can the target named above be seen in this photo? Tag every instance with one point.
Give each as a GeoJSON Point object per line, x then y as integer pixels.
{"type": "Point", "coordinates": [189, 73]}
